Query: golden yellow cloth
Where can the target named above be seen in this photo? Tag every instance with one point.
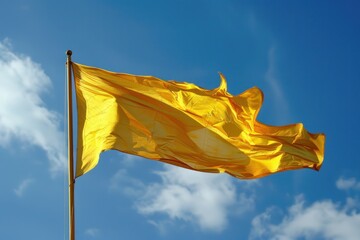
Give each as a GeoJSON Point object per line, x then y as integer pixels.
{"type": "Point", "coordinates": [185, 125]}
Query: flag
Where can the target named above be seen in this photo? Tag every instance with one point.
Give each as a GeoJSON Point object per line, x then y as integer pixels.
{"type": "Point", "coordinates": [182, 124]}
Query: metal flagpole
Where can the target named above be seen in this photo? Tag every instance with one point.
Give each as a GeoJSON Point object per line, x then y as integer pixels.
{"type": "Point", "coordinates": [70, 149]}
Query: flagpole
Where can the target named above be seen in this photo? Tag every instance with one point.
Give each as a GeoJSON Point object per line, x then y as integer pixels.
{"type": "Point", "coordinates": [70, 149]}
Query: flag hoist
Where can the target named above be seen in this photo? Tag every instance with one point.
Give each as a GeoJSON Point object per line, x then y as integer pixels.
{"type": "Point", "coordinates": [181, 124]}
{"type": "Point", "coordinates": [70, 149]}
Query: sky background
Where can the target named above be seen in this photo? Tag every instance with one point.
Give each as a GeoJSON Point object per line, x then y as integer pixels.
{"type": "Point", "coordinates": [304, 55]}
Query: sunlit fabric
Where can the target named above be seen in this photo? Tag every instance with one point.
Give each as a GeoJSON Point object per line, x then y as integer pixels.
{"type": "Point", "coordinates": [185, 125]}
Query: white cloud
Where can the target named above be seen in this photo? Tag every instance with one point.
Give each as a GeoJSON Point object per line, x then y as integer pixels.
{"type": "Point", "coordinates": [20, 189]}
{"type": "Point", "coordinates": [23, 114]}
{"type": "Point", "coordinates": [205, 200]}
{"type": "Point", "coordinates": [92, 232]}
{"type": "Point", "coordinates": [347, 184]}
{"type": "Point", "coordinates": [322, 219]}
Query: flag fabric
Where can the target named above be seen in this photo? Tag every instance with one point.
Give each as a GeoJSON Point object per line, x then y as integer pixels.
{"type": "Point", "coordinates": [182, 124]}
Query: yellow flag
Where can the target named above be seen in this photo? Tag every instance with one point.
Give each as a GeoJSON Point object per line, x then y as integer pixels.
{"type": "Point", "coordinates": [185, 125]}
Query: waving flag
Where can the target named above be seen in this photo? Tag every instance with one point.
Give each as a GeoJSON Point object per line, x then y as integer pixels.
{"type": "Point", "coordinates": [185, 125]}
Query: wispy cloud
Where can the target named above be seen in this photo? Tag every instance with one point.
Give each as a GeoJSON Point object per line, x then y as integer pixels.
{"type": "Point", "coordinates": [320, 220]}
{"type": "Point", "coordinates": [206, 200]}
{"type": "Point", "coordinates": [127, 160]}
{"type": "Point", "coordinates": [20, 189]}
{"type": "Point", "coordinates": [23, 114]}
{"type": "Point", "coordinates": [126, 184]}
{"type": "Point", "coordinates": [162, 226]}
{"type": "Point", "coordinates": [348, 184]}
{"type": "Point", "coordinates": [92, 232]}
{"type": "Point", "coordinates": [282, 108]}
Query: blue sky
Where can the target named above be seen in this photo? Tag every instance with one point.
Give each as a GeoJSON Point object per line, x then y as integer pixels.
{"type": "Point", "coordinates": [304, 55]}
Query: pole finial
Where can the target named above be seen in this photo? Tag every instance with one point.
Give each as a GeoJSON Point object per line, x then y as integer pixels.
{"type": "Point", "coordinates": [69, 52]}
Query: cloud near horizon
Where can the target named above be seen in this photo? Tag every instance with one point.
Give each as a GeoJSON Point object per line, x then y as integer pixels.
{"type": "Point", "coordinates": [323, 219]}
{"type": "Point", "coordinates": [24, 116]}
